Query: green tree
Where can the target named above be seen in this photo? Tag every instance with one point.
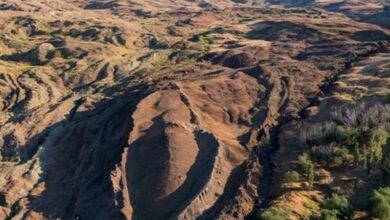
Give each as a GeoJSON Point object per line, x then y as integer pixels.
{"type": "Point", "coordinates": [339, 157]}
{"type": "Point", "coordinates": [310, 174]}
{"type": "Point", "coordinates": [307, 167]}
{"type": "Point", "coordinates": [348, 135]}
{"type": "Point", "coordinates": [378, 138]}
{"type": "Point", "coordinates": [303, 162]}
{"type": "Point", "coordinates": [339, 203]}
{"type": "Point", "coordinates": [380, 203]}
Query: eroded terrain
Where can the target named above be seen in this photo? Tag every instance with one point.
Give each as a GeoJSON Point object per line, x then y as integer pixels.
{"type": "Point", "coordinates": [178, 110]}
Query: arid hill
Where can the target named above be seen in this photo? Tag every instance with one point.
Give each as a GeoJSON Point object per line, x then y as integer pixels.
{"type": "Point", "coordinates": [196, 109]}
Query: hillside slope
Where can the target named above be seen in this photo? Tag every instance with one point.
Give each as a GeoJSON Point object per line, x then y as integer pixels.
{"type": "Point", "coordinates": [174, 109]}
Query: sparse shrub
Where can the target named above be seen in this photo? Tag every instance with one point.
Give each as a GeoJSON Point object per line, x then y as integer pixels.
{"type": "Point", "coordinates": [303, 162]}
{"type": "Point", "coordinates": [333, 208]}
{"type": "Point", "coordinates": [378, 138]}
{"type": "Point", "coordinates": [194, 38]}
{"type": "Point", "coordinates": [291, 176]}
{"type": "Point", "coordinates": [363, 116]}
{"type": "Point", "coordinates": [327, 214]}
{"type": "Point", "coordinates": [331, 155]}
{"type": "Point", "coordinates": [307, 167]}
{"type": "Point", "coordinates": [322, 153]}
{"type": "Point", "coordinates": [348, 135]}
{"type": "Point", "coordinates": [310, 174]}
{"type": "Point", "coordinates": [340, 204]}
{"type": "Point", "coordinates": [380, 203]}
{"type": "Point", "coordinates": [339, 157]}
{"type": "Point", "coordinates": [335, 161]}
{"type": "Point", "coordinates": [275, 214]}
{"type": "Point", "coordinates": [319, 133]}
{"type": "Point", "coordinates": [362, 133]}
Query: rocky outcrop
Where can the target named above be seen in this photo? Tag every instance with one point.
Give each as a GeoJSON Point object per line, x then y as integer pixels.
{"type": "Point", "coordinates": [42, 54]}
{"type": "Point", "coordinates": [239, 57]}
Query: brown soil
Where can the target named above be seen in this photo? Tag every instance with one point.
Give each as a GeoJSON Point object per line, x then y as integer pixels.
{"type": "Point", "coordinates": [162, 109]}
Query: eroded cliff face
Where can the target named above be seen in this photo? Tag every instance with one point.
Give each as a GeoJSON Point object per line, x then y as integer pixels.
{"type": "Point", "coordinates": [147, 115]}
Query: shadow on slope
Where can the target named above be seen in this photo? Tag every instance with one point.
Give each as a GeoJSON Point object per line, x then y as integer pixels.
{"type": "Point", "coordinates": [284, 31]}
{"type": "Point", "coordinates": [292, 3]}
{"type": "Point", "coordinates": [78, 158]}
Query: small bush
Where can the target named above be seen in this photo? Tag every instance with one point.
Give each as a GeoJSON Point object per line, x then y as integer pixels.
{"type": "Point", "coordinates": [319, 133]}
{"type": "Point", "coordinates": [348, 135]}
{"type": "Point", "coordinates": [380, 203]}
{"type": "Point", "coordinates": [307, 167]}
{"type": "Point", "coordinates": [195, 38]}
{"type": "Point", "coordinates": [328, 214]}
{"type": "Point", "coordinates": [339, 157]}
{"type": "Point", "coordinates": [291, 176]}
{"type": "Point", "coordinates": [378, 137]}
{"type": "Point", "coordinates": [310, 174]}
{"type": "Point", "coordinates": [303, 162]}
{"type": "Point", "coordinates": [322, 153]}
{"type": "Point", "coordinates": [339, 203]}
{"type": "Point", "coordinates": [275, 214]}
